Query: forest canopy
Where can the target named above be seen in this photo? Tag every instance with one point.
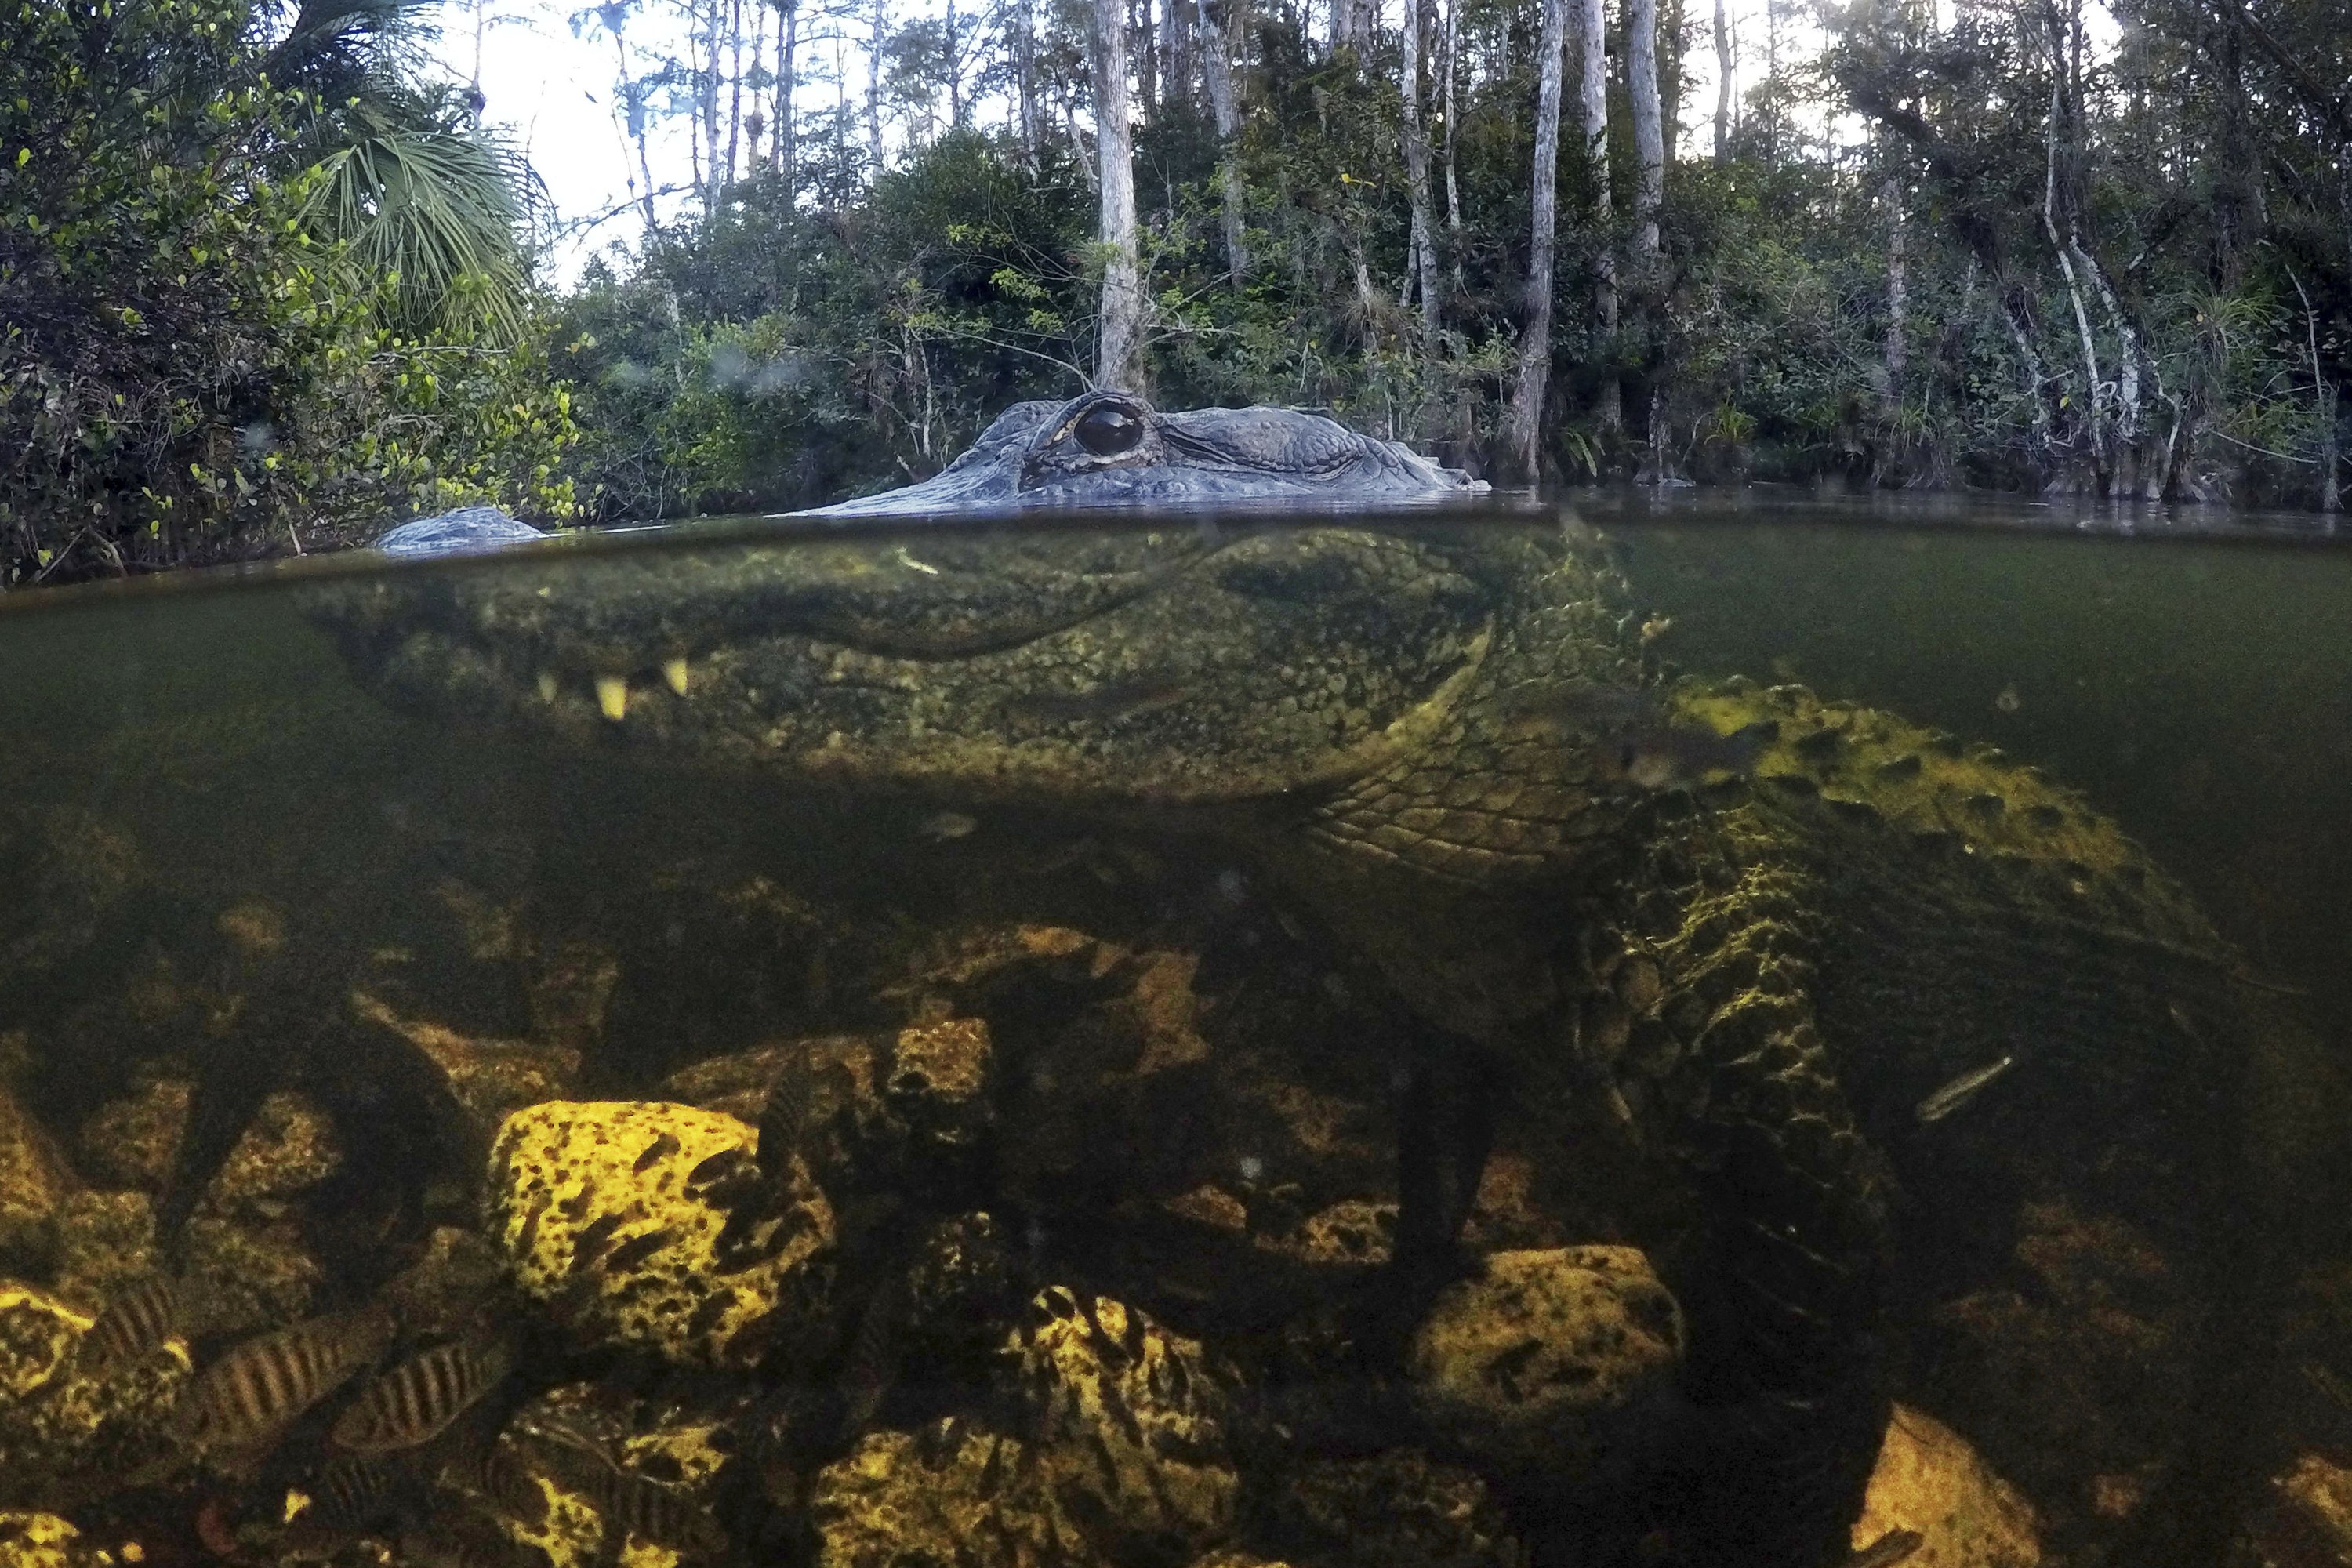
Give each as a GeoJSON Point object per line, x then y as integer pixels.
{"type": "Point", "coordinates": [267, 283]}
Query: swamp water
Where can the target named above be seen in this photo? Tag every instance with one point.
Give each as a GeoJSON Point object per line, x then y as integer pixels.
{"type": "Point", "coordinates": [970, 1045]}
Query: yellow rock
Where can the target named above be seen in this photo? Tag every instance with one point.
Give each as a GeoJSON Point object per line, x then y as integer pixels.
{"type": "Point", "coordinates": [604, 1210]}
{"type": "Point", "coordinates": [1929, 1479]}
{"type": "Point", "coordinates": [30, 1539]}
{"type": "Point", "coordinates": [1531, 1362]}
{"type": "Point", "coordinates": [33, 1176]}
{"type": "Point", "coordinates": [952, 1492]}
{"type": "Point", "coordinates": [2308, 1522]}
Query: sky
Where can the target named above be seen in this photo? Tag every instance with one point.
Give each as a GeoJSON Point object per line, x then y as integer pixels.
{"type": "Point", "coordinates": [550, 86]}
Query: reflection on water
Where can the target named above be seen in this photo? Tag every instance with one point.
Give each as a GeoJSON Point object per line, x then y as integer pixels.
{"type": "Point", "coordinates": [1432, 1040]}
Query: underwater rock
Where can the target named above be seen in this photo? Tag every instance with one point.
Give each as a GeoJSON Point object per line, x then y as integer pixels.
{"type": "Point", "coordinates": [951, 1493]}
{"type": "Point", "coordinates": [30, 1539]}
{"type": "Point", "coordinates": [960, 1283]}
{"type": "Point", "coordinates": [843, 1073]}
{"type": "Point", "coordinates": [590, 1463]}
{"type": "Point", "coordinates": [939, 1075]}
{"type": "Point", "coordinates": [288, 1147]}
{"type": "Point", "coordinates": [1394, 1509]}
{"type": "Point", "coordinates": [2307, 1522]}
{"type": "Point", "coordinates": [67, 1427]}
{"type": "Point", "coordinates": [607, 1216]}
{"type": "Point", "coordinates": [1929, 1479]}
{"type": "Point", "coordinates": [1127, 1424]}
{"type": "Point", "coordinates": [491, 1079]}
{"type": "Point", "coordinates": [2083, 1375]}
{"type": "Point", "coordinates": [34, 1181]}
{"type": "Point", "coordinates": [1525, 1364]}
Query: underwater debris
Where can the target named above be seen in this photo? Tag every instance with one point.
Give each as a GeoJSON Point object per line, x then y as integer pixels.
{"type": "Point", "coordinates": [1643, 745]}
{"type": "Point", "coordinates": [2007, 702]}
{"type": "Point", "coordinates": [416, 1400]}
{"type": "Point", "coordinates": [1961, 1089]}
{"type": "Point", "coordinates": [945, 825]}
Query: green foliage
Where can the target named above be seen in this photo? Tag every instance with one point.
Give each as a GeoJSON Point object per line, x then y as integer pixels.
{"type": "Point", "coordinates": [187, 371]}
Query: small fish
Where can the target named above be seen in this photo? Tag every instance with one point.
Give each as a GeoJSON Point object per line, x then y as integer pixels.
{"type": "Point", "coordinates": [135, 1324]}
{"type": "Point", "coordinates": [1894, 1546]}
{"type": "Point", "coordinates": [664, 1146]}
{"type": "Point", "coordinates": [589, 1243]}
{"type": "Point", "coordinates": [637, 1248]}
{"type": "Point", "coordinates": [639, 1505]}
{"type": "Point", "coordinates": [1109, 700]}
{"type": "Point", "coordinates": [946, 825]}
{"type": "Point", "coordinates": [354, 1491]}
{"type": "Point", "coordinates": [415, 1400]}
{"type": "Point", "coordinates": [1640, 744]}
{"type": "Point", "coordinates": [871, 1363]}
{"type": "Point", "coordinates": [251, 1393]}
{"type": "Point", "coordinates": [457, 1540]}
{"type": "Point", "coordinates": [1958, 1092]}
{"type": "Point", "coordinates": [475, 1460]}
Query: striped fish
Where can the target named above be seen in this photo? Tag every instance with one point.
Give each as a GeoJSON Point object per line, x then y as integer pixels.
{"type": "Point", "coordinates": [356, 1490]}
{"type": "Point", "coordinates": [415, 1400]}
{"type": "Point", "coordinates": [134, 1324]}
{"type": "Point", "coordinates": [476, 1461]}
{"type": "Point", "coordinates": [252, 1392]}
{"type": "Point", "coordinates": [636, 1505]}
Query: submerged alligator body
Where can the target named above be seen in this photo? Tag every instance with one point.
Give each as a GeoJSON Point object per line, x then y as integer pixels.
{"type": "Point", "coordinates": [1749, 981]}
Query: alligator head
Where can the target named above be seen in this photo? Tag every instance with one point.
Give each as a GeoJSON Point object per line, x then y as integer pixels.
{"type": "Point", "coordinates": [1112, 448]}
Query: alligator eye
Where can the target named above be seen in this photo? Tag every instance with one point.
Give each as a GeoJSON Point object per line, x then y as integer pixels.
{"type": "Point", "coordinates": [1108, 431]}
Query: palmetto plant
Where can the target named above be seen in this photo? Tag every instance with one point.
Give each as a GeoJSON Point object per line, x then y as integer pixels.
{"type": "Point", "coordinates": [418, 191]}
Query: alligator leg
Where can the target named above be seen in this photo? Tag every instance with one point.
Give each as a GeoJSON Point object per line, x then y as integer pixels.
{"type": "Point", "coordinates": [1446, 1094]}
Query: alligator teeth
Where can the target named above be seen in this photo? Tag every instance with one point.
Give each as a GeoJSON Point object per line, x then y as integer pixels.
{"type": "Point", "coordinates": [547, 686]}
{"type": "Point", "coordinates": [674, 671]}
{"type": "Point", "coordinates": [613, 696]}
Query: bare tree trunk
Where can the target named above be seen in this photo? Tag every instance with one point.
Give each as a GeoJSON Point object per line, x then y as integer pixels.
{"type": "Point", "coordinates": [1182, 87]}
{"type": "Point", "coordinates": [1145, 55]}
{"type": "Point", "coordinates": [1592, 42]}
{"type": "Point", "coordinates": [1898, 296]}
{"type": "Point", "coordinates": [2323, 391]}
{"type": "Point", "coordinates": [711, 106]}
{"type": "Point", "coordinates": [735, 88]}
{"type": "Point", "coordinates": [2062, 104]}
{"type": "Point", "coordinates": [756, 122]}
{"type": "Point", "coordinates": [1534, 340]}
{"type": "Point", "coordinates": [1118, 357]}
{"type": "Point", "coordinates": [787, 80]}
{"type": "Point", "coordinates": [1649, 127]}
{"type": "Point", "coordinates": [1025, 86]}
{"type": "Point", "coordinates": [1416, 171]}
{"type": "Point", "coordinates": [1722, 84]}
{"type": "Point", "coordinates": [952, 48]}
{"type": "Point", "coordinates": [633, 98]}
{"type": "Point", "coordinates": [1351, 27]}
{"type": "Point", "coordinates": [1453, 180]}
{"type": "Point", "coordinates": [1219, 36]}
{"type": "Point", "coordinates": [877, 40]}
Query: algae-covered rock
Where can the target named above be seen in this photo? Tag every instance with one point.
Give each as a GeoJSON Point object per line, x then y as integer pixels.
{"type": "Point", "coordinates": [61, 1417]}
{"type": "Point", "coordinates": [1395, 1510]}
{"type": "Point", "coordinates": [953, 1495]}
{"type": "Point", "coordinates": [1130, 1425]}
{"type": "Point", "coordinates": [30, 1539]}
{"type": "Point", "coordinates": [1930, 1480]}
{"type": "Point", "coordinates": [2307, 1522]}
{"type": "Point", "coordinates": [604, 1477]}
{"type": "Point", "coordinates": [35, 1182]}
{"type": "Point", "coordinates": [630, 1219]}
{"type": "Point", "coordinates": [1529, 1363]}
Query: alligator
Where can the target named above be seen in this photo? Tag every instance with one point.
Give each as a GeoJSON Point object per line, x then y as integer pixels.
{"type": "Point", "coordinates": [1111, 448]}
{"type": "Point", "coordinates": [1425, 732]}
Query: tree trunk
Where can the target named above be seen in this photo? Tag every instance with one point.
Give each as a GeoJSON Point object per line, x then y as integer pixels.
{"type": "Point", "coordinates": [735, 84]}
{"type": "Point", "coordinates": [1025, 86]}
{"type": "Point", "coordinates": [1144, 54]}
{"type": "Point", "coordinates": [1119, 349]}
{"type": "Point", "coordinates": [1221, 36]}
{"type": "Point", "coordinates": [1416, 171]}
{"type": "Point", "coordinates": [1897, 297]}
{"type": "Point", "coordinates": [1722, 84]}
{"type": "Point", "coordinates": [1649, 127]}
{"type": "Point", "coordinates": [1182, 87]}
{"type": "Point", "coordinates": [1534, 340]}
{"type": "Point", "coordinates": [787, 66]}
{"type": "Point", "coordinates": [951, 62]}
{"type": "Point", "coordinates": [1453, 180]}
{"type": "Point", "coordinates": [876, 42]}
{"type": "Point", "coordinates": [1593, 44]}
{"type": "Point", "coordinates": [710, 107]}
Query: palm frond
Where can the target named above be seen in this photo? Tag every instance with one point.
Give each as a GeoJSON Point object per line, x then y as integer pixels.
{"type": "Point", "coordinates": [439, 209]}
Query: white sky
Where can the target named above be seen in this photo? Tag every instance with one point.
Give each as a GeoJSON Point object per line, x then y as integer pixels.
{"type": "Point", "coordinates": [552, 90]}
